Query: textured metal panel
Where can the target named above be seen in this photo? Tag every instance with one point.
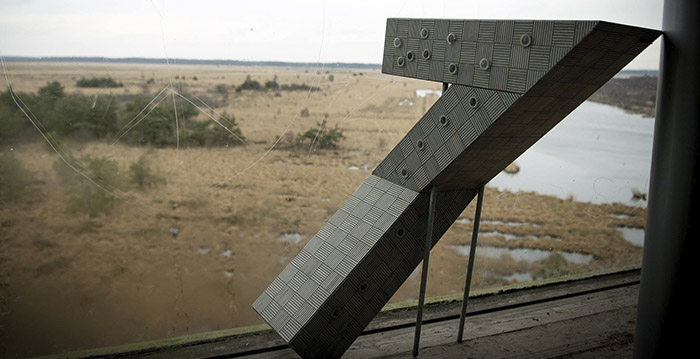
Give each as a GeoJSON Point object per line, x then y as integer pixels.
{"type": "Point", "coordinates": [467, 53]}
{"type": "Point", "coordinates": [535, 73]}
{"type": "Point", "coordinates": [583, 28]}
{"type": "Point", "coordinates": [517, 80]}
{"type": "Point", "coordinates": [556, 54]}
{"type": "Point", "coordinates": [471, 30]}
{"type": "Point", "coordinates": [453, 51]}
{"type": "Point", "coordinates": [439, 48]}
{"type": "Point", "coordinates": [496, 41]}
{"type": "Point", "coordinates": [521, 27]}
{"type": "Point", "coordinates": [539, 58]}
{"type": "Point", "coordinates": [504, 31]}
{"type": "Point", "coordinates": [481, 77]}
{"type": "Point", "coordinates": [391, 27]}
{"type": "Point", "coordinates": [563, 33]}
{"type": "Point", "coordinates": [487, 31]}
{"type": "Point", "coordinates": [501, 55]}
{"type": "Point", "coordinates": [499, 78]}
{"type": "Point", "coordinates": [542, 33]}
{"type": "Point", "coordinates": [519, 56]}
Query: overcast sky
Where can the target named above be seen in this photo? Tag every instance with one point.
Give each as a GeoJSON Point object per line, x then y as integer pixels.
{"type": "Point", "coordinates": [298, 31]}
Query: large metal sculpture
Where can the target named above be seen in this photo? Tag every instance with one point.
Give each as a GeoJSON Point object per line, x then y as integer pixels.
{"type": "Point", "coordinates": [511, 82]}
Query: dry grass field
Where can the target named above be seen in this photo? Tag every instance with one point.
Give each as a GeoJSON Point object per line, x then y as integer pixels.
{"type": "Point", "coordinates": [192, 254]}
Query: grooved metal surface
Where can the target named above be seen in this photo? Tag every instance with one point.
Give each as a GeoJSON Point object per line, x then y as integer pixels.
{"type": "Point", "coordinates": [512, 81]}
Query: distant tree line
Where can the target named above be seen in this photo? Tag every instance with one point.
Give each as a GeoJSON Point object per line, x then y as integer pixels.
{"type": "Point", "coordinates": [636, 94]}
{"type": "Point", "coordinates": [79, 117]}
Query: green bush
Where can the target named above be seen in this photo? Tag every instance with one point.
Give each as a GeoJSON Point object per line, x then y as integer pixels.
{"type": "Point", "coordinates": [93, 195]}
{"type": "Point", "coordinates": [249, 84]}
{"type": "Point", "coordinates": [15, 181]}
{"type": "Point", "coordinates": [14, 125]}
{"type": "Point", "coordinates": [302, 87]}
{"type": "Point", "coordinates": [57, 113]}
{"type": "Point", "coordinates": [222, 89]}
{"type": "Point", "coordinates": [75, 116]}
{"type": "Point", "coordinates": [272, 85]}
{"type": "Point", "coordinates": [208, 133]}
{"type": "Point", "coordinates": [52, 92]}
{"type": "Point", "coordinates": [83, 117]}
{"type": "Point", "coordinates": [158, 127]}
{"type": "Point", "coordinates": [99, 82]}
{"type": "Point", "coordinates": [142, 176]}
{"type": "Point", "coordinates": [320, 137]}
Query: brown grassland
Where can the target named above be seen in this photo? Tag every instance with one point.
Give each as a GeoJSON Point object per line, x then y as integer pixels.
{"type": "Point", "coordinates": [69, 281]}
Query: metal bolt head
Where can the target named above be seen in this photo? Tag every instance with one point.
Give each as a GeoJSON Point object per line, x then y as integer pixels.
{"type": "Point", "coordinates": [473, 102]}
{"type": "Point", "coordinates": [453, 68]}
{"type": "Point", "coordinates": [397, 42]}
{"type": "Point", "coordinates": [451, 38]}
{"type": "Point", "coordinates": [400, 61]}
{"type": "Point", "coordinates": [525, 40]}
{"type": "Point", "coordinates": [444, 121]}
{"type": "Point", "coordinates": [484, 64]}
{"type": "Point", "coordinates": [424, 33]}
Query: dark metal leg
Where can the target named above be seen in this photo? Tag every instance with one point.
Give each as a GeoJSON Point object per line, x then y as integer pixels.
{"type": "Point", "coordinates": [424, 275]}
{"type": "Point", "coordinates": [470, 266]}
{"type": "Point", "coordinates": [669, 280]}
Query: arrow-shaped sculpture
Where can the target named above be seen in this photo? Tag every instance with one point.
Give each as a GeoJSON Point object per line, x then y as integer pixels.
{"type": "Point", "coordinates": [512, 81]}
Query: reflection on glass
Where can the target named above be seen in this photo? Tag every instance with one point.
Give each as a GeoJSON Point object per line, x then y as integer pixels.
{"type": "Point", "coordinates": [141, 201]}
{"type": "Point", "coordinates": [126, 207]}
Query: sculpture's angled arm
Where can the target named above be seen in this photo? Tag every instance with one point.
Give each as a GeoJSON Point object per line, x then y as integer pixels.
{"type": "Point", "coordinates": [512, 82]}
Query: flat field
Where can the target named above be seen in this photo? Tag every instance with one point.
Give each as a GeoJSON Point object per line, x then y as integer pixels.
{"type": "Point", "coordinates": [191, 254]}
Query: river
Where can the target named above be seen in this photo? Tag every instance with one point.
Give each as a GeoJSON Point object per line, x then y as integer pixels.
{"type": "Point", "coordinates": [599, 154]}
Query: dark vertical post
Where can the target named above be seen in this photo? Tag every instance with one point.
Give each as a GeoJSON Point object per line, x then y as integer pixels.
{"type": "Point", "coordinates": [470, 265]}
{"type": "Point", "coordinates": [424, 274]}
{"type": "Point", "coordinates": [664, 319]}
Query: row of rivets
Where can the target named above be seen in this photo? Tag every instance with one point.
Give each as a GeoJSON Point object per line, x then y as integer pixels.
{"type": "Point", "coordinates": [452, 67]}
{"type": "Point", "coordinates": [525, 39]}
{"type": "Point", "coordinates": [444, 121]}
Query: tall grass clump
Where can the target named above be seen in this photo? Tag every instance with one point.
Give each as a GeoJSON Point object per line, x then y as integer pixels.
{"type": "Point", "coordinates": [91, 192]}
{"type": "Point", "coordinates": [142, 176]}
{"type": "Point", "coordinates": [320, 137]}
{"type": "Point", "coordinates": [15, 181]}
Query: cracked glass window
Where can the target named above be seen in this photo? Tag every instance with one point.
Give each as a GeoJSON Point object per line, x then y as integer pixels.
{"type": "Point", "coordinates": [161, 162]}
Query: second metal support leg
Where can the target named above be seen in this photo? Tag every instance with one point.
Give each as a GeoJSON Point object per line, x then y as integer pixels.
{"type": "Point", "coordinates": [470, 265]}
{"type": "Point", "coordinates": [424, 275]}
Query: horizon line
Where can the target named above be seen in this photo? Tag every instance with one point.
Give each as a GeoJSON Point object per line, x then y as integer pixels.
{"type": "Point", "coordinates": [185, 61]}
